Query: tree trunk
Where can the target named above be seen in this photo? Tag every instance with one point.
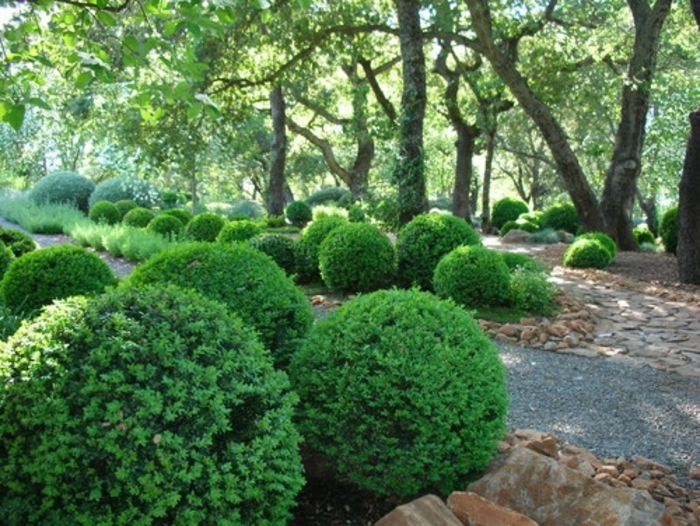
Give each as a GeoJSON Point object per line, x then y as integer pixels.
{"type": "Point", "coordinates": [409, 172]}
{"type": "Point", "coordinates": [625, 168]}
{"type": "Point", "coordinates": [688, 250]}
{"type": "Point", "coordinates": [486, 191]}
{"type": "Point", "coordinates": [466, 139]}
{"type": "Point", "coordinates": [278, 153]}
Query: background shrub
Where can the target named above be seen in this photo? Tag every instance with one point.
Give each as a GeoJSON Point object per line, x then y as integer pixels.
{"type": "Point", "coordinates": [473, 276]}
{"type": "Point", "coordinates": [298, 213]}
{"type": "Point", "coordinates": [242, 230]}
{"type": "Point", "coordinates": [356, 214]}
{"type": "Point", "coordinates": [19, 242]}
{"type": "Point", "coordinates": [153, 407]}
{"type": "Point", "coordinates": [514, 260]}
{"type": "Point", "coordinates": [124, 206]}
{"type": "Point", "coordinates": [166, 225]}
{"type": "Point", "coordinates": [587, 253]}
{"type": "Point", "coordinates": [142, 192]}
{"type": "Point", "coordinates": [534, 217]}
{"type": "Point", "coordinates": [424, 240]}
{"type": "Point", "coordinates": [507, 209]}
{"type": "Point", "coordinates": [546, 235]}
{"type": "Point", "coordinates": [332, 195]}
{"type": "Point", "coordinates": [357, 257]}
{"type": "Point", "coordinates": [205, 227]}
{"type": "Point", "coordinates": [138, 217]}
{"type": "Point", "coordinates": [306, 249]}
{"type": "Point", "coordinates": [38, 278]}
{"type": "Point", "coordinates": [531, 290]}
{"type": "Point", "coordinates": [275, 221]}
{"type": "Point", "coordinates": [604, 239]}
{"type": "Point", "coordinates": [520, 225]}
{"type": "Point", "coordinates": [244, 279]}
{"type": "Point", "coordinates": [643, 235]}
{"type": "Point", "coordinates": [105, 212]}
{"type": "Point", "coordinates": [280, 248]}
{"type": "Point", "coordinates": [401, 391]}
{"type": "Point", "coordinates": [247, 208]}
{"type": "Point", "coordinates": [561, 217]}
{"type": "Point", "coordinates": [183, 215]}
{"type": "Point", "coordinates": [668, 229]}
{"type": "Point", "coordinates": [63, 188]}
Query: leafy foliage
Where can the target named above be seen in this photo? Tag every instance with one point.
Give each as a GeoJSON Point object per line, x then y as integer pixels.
{"type": "Point", "coordinates": [138, 217]}
{"type": "Point", "coordinates": [531, 290]}
{"type": "Point", "coordinates": [562, 216]}
{"type": "Point", "coordinates": [643, 235]}
{"type": "Point", "coordinates": [63, 188]}
{"type": "Point", "coordinates": [247, 208]}
{"type": "Point", "coordinates": [518, 224]}
{"type": "Point", "coordinates": [306, 249]}
{"type": "Point", "coordinates": [105, 212]}
{"type": "Point", "coordinates": [124, 206]}
{"type": "Point", "coordinates": [298, 213]}
{"type": "Point", "coordinates": [166, 225]}
{"type": "Point", "coordinates": [57, 272]}
{"type": "Point", "coordinates": [244, 279]}
{"type": "Point", "coordinates": [604, 239]}
{"type": "Point", "coordinates": [587, 253]}
{"type": "Point", "coordinates": [20, 242]}
{"type": "Point", "coordinates": [7, 256]}
{"type": "Point", "coordinates": [401, 391]}
{"type": "Point", "coordinates": [242, 230]}
{"type": "Point", "coordinates": [668, 229]}
{"type": "Point", "coordinates": [279, 247]}
{"type": "Point", "coordinates": [142, 192]}
{"type": "Point", "coordinates": [546, 235]}
{"type": "Point", "coordinates": [515, 260]}
{"type": "Point", "coordinates": [183, 215]}
{"type": "Point", "coordinates": [424, 240]}
{"type": "Point", "coordinates": [204, 227]}
{"type": "Point", "coordinates": [357, 257]}
{"type": "Point", "coordinates": [166, 407]}
{"type": "Point", "coordinates": [331, 195]}
{"type": "Point", "coordinates": [507, 209]}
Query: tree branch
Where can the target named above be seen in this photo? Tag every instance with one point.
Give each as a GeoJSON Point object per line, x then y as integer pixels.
{"type": "Point", "coordinates": [370, 74]}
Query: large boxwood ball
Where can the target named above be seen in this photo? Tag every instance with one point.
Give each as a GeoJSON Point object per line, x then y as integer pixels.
{"type": "Point", "coordinates": [183, 215]}
{"type": "Point", "coordinates": [473, 277]}
{"type": "Point", "coordinates": [668, 229]}
{"type": "Point", "coordinates": [279, 247]}
{"type": "Point", "coordinates": [424, 240]}
{"type": "Point", "coordinates": [20, 242]}
{"type": "Point", "coordinates": [138, 217]}
{"type": "Point", "coordinates": [604, 239]}
{"type": "Point", "coordinates": [243, 278]}
{"type": "Point", "coordinates": [105, 212]}
{"type": "Point", "coordinates": [587, 253]}
{"type": "Point", "coordinates": [57, 272]}
{"type": "Point", "coordinates": [357, 257]}
{"type": "Point", "coordinates": [63, 188]}
{"type": "Point", "coordinates": [306, 249]}
{"type": "Point", "coordinates": [239, 230]}
{"type": "Point", "coordinates": [507, 209]}
{"type": "Point", "coordinates": [144, 407]}
{"type": "Point", "coordinates": [298, 213]}
{"type": "Point", "coordinates": [562, 216]}
{"type": "Point", "coordinates": [401, 391]}
{"type": "Point", "coordinates": [166, 225]}
{"type": "Point", "coordinates": [204, 227]}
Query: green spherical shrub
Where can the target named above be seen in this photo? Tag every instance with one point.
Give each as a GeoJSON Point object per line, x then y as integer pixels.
{"type": "Point", "coordinates": [604, 239]}
{"type": "Point", "coordinates": [332, 195]}
{"type": "Point", "coordinates": [19, 242]}
{"type": "Point", "coordinates": [247, 208]}
{"type": "Point", "coordinates": [275, 221]}
{"type": "Point", "coordinates": [519, 225]}
{"type": "Point", "coordinates": [105, 212]}
{"type": "Point", "coordinates": [6, 257]}
{"type": "Point", "coordinates": [183, 215]}
{"type": "Point", "coordinates": [561, 217]}
{"type": "Point", "coordinates": [280, 248]}
{"type": "Point", "coordinates": [401, 391]}
{"type": "Point", "coordinates": [243, 278]}
{"type": "Point", "coordinates": [533, 217]}
{"type": "Point", "coordinates": [138, 217]}
{"type": "Point", "coordinates": [63, 188]}
{"type": "Point", "coordinates": [531, 290]}
{"type": "Point", "coordinates": [204, 227]}
{"type": "Point", "coordinates": [142, 192]}
{"type": "Point", "coordinates": [38, 278]}
{"type": "Point", "coordinates": [124, 206]}
{"type": "Point", "coordinates": [515, 260]}
{"type": "Point", "coordinates": [587, 253]}
{"type": "Point", "coordinates": [424, 240]}
{"type": "Point", "coordinates": [643, 236]}
{"type": "Point", "coordinates": [668, 230]}
{"type": "Point", "coordinates": [239, 230]}
{"type": "Point", "coordinates": [306, 249]}
{"type": "Point", "coordinates": [473, 276]}
{"type": "Point", "coordinates": [298, 213]}
{"type": "Point", "coordinates": [357, 257]}
{"type": "Point", "coordinates": [166, 225]}
{"type": "Point", "coordinates": [143, 407]}
{"type": "Point", "coordinates": [356, 214]}
{"type": "Point", "coordinates": [507, 209]}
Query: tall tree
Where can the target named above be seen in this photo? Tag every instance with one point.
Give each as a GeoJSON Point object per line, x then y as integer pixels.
{"type": "Point", "coordinates": [278, 153]}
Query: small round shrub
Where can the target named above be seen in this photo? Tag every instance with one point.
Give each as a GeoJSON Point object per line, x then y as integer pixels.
{"type": "Point", "coordinates": [531, 290]}
{"type": "Point", "coordinates": [587, 253]}
{"type": "Point", "coordinates": [332, 195]}
{"type": "Point", "coordinates": [424, 240]}
{"type": "Point", "coordinates": [306, 249]}
{"type": "Point", "coordinates": [124, 206]}
{"type": "Point", "coordinates": [38, 278]}
{"type": "Point", "coordinates": [247, 208]}
{"type": "Point", "coordinates": [533, 217]}
{"type": "Point", "coordinates": [298, 213]}
{"type": "Point", "coordinates": [604, 239]}
{"type": "Point", "coordinates": [357, 257]}
{"type": "Point", "coordinates": [643, 235]}
{"type": "Point", "coordinates": [280, 248]}
{"type": "Point", "coordinates": [6, 257]}
{"type": "Point", "coordinates": [518, 224]}
{"type": "Point", "coordinates": [242, 230]}
{"type": "Point", "coordinates": [515, 260]}
{"type": "Point", "coordinates": [204, 227]}
{"type": "Point", "coordinates": [275, 221]}
{"type": "Point", "coordinates": [166, 225]}
{"type": "Point", "coordinates": [401, 391]}
{"type": "Point", "coordinates": [144, 407]}
{"type": "Point", "coordinates": [668, 230]}
{"type": "Point", "coordinates": [183, 215]}
{"type": "Point", "coordinates": [473, 276]}
{"type": "Point", "coordinates": [561, 217]}
{"type": "Point", "coordinates": [105, 212]}
{"type": "Point", "coordinates": [249, 282]}
{"type": "Point", "coordinates": [138, 217]}
{"type": "Point", "coordinates": [507, 209]}
{"type": "Point", "coordinates": [142, 192]}
{"type": "Point", "coordinates": [356, 214]}
{"type": "Point", "coordinates": [19, 242]}
{"type": "Point", "coordinates": [63, 188]}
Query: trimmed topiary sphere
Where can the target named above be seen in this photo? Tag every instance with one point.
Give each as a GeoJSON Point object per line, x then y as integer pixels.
{"type": "Point", "coordinates": [605, 240]}
{"type": "Point", "coordinates": [20, 242]}
{"type": "Point", "coordinates": [306, 249]}
{"type": "Point", "coordinates": [561, 217]}
{"type": "Point", "coordinates": [515, 260]}
{"type": "Point", "coordinates": [204, 227]}
{"type": "Point", "coordinates": [507, 209]}
{"type": "Point", "coordinates": [518, 224]}
{"type": "Point", "coordinates": [63, 188]}
{"type": "Point", "coordinates": [124, 206]}
{"type": "Point", "coordinates": [139, 217]}
{"type": "Point", "coordinates": [298, 213]}
{"type": "Point", "coordinates": [473, 277]}
{"type": "Point", "coordinates": [144, 407]}
{"type": "Point", "coordinates": [183, 215]}
{"type": "Point", "coordinates": [357, 257]}
{"type": "Point", "coordinates": [280, 248]}
{"type": "Point", "coordinates": [587, 253]}
{"type": "Point", "coordinates": [38, 278]}
{"type": "Point", "coordinates": [668, 230]}
{"type": "Point", "coordinates": [424, 240]}
{"type": "Point", "coordinates": [105, 212]}
{"type": "Point", "coordinates": [643, 235]}
{"type": "Point", "coordinates": [401, 391]}
{"type": "Point", "coordinates": [142, 192]}
{"type": "Point", "coordinates": [244, 279]}
{"type": "Point", "coordinates": [166, 225]}
{"type": "Point", "coordinates": [241, 230]}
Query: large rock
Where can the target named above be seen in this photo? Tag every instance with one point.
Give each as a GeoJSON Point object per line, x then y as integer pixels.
{"type": "Point", "coordinates": [475, 510]}
{"type": "Point", "coordinates": [428, 510]}
{"type": "Point", "coordinates": [553, 495]}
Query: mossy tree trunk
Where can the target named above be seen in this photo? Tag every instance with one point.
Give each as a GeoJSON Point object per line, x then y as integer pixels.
{"type": "Point", "coordinates": [278, 153]}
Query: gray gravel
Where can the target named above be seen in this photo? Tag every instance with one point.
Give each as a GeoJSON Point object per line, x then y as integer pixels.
{"type": "Point", "coordinates": [608, 407]}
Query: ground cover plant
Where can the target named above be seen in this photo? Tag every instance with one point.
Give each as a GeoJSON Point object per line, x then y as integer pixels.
{"type": "Point", "coordinates": [154, 406]}
{"type": "Point", "coordinates": [46, 218]}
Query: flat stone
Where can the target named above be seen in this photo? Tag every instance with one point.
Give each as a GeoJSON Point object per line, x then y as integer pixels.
{"type": "Point", "coordinates": [428, 510]}
{"type": "Point", "coordinates": [474, 510]}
